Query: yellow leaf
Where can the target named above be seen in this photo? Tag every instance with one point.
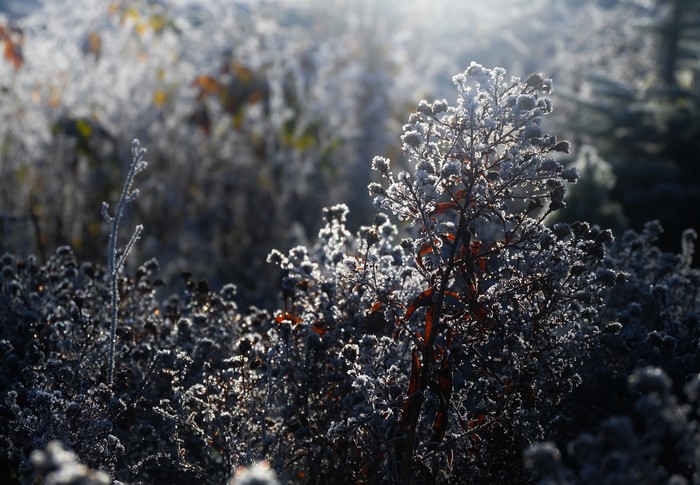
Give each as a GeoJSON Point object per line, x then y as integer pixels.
{"type": "Point", "coordinates": [305, 142]}
{"type": "Point", "coordinates": [158, 22]}
{"type": "Point", "coordinates": [160, 97]}
{"type": "Point", "coordinates": [83, 128]}
{"type": "Point", "coordinates": [130, 14]}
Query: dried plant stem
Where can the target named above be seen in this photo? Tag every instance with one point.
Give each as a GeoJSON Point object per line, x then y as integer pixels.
{"type": "Point", "coordinates": [116, 259]}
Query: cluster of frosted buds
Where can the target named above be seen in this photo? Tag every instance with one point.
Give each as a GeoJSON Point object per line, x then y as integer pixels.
{"type": "Point", "coordinates": [488, 151]}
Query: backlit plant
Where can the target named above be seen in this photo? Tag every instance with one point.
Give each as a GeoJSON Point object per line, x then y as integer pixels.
{"type": "Point", "coordinates": [489, 309]}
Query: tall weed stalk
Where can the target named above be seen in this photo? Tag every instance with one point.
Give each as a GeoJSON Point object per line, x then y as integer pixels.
{"type": "Point", "coordinates": [116, 257]}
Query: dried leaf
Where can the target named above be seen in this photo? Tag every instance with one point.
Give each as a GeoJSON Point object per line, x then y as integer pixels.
{"type": "Point", "coordinates": [207, 85]}
{"type": "Point", "coordinates": [444, 207]}
{"type": "Point", "coordinates": [375, 308]}
{"type": "Point", "coordinates": [286, 317]}
{"type": "Point", "coordinates": [13, 53]}
{"type": "Point", "coordinates": [447, 237]}
{"type": "Point", "coordinates": [415, 372]}
{"type": "Point", "coordinates": [424, 299]}
{"type": "Point", "coordinates": [413, 398]}
{"type": "Point", "coordinates": [478, 421]}
{"type": "Point", "coordinates": [440, 424]}
{"type": "Point", "coordinates": [93, 44]}
{"type": "Point", "coordinates": [425, 248]}
{"type": "Point", "coordinates": [319, 329]}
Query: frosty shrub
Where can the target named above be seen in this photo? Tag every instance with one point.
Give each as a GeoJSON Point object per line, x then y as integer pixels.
{"type": "Point", "coordinates": [183, 395]}
{"type": "Point", "coordinates": [657, 307]}
{"type": "Point", "coordinates": [437, 344]}
{"type": "Point", "coordinates": [56, 466]}
{"type": "Point", "coordinates": [461, 339]}
{"type": "Point", "coordinates": [247, 108]}
{"type": "Point", "coordinates": [656, 442]}
{"type": "Point", "coordinates": [244, 110]}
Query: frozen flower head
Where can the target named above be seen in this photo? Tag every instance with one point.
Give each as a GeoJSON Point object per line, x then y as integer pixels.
{"type": "Point", "coordinates": [480, 150]}
{"type": "Point", "coordinates": [60, 466]}
{"type": "Point", "coordinates": [650, 380]}
{"type": "Point", "coordinates": [381, 165]}
{"type": "Point", "coordinates": [337, 212]}
{"type": "Point", "coordinates": [257, 474]}
{"type": "Point", "coordinates": [412, 139]}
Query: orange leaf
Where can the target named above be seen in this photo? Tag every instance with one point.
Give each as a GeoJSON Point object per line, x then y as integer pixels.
{"type": "Point", "coordinates": [287, 317]}
{"type": "Point", "coordinates": [413, 399]}
{"type": "Point", "coordinates": [13, 53]}
{"type": "Point", "coordinates": [440, 424]}
{"type": "Point", "coordinates": [424, 299]}
{"type": "Point", "coordinates": [444, 207]}
{"type": "Point", "coordinates": [447, 237]}
{"type": "Point", "coordinates": [159, 97]}
{"type": "Point", "coordinates": [444, 377]}
{"type": "Point", "coordinates": [425, 248]}
{"type": "Point", "coordinates": [473, 423]}
{"type": "Point", "coordinates": [475, 247]}
{"type": "Point", "coordinates": [206, 84]}
{"type": "Point", "coordinates": [375, 307]}
{"type": "Point", "coordinates": [93, 44]}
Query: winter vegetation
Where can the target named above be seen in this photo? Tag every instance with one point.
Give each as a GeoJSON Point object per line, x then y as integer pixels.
{"type": "Point", "coordinates": [237, 247]}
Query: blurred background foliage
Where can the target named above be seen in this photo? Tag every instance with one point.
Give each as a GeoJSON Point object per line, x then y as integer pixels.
{"type": "Point", "coordinates": [256, 114]}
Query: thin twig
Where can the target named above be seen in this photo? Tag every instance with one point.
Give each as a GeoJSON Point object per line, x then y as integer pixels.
{"type": "Point", "coordinates": [115, 261]}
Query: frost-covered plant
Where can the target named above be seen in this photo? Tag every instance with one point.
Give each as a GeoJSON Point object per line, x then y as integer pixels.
{"type": "Point", "coordinates": [489, 310]}
{"type": "Point", "coordinates": [243, 107]}
{"type": "Point", "coordinates": [657, 442]}
{"type": "Point", "coordinates": [257, 474]}
{"type": "Point", "coordinates": [508, 304]}
{"type": "Point", "coordinates": [435, 351]}
{"type": "Point", "coordinates": [335, 372]}
{"type": "Point", "coordinates": [246, 107]}
{"type": "Point", "coordinates": [117, 257]}
{"type": "Point", "coordinates": [183, 405]}
{"type": "Point", "coordinates": [657, 306]}
{"type": "Point", "coordinates": [57, 466]}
